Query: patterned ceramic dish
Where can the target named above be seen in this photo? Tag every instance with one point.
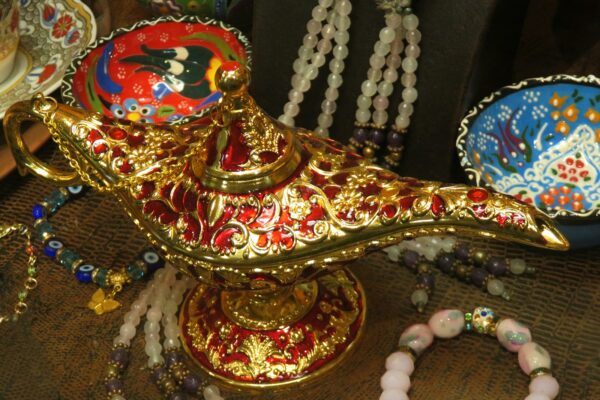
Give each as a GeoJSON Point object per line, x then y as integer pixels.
{"type": "Point", "coordinates": [52, 32]}
{"type": "Point", "coordinates": [156, 71]}
{"type": "Point", "coordinates": [539, 140]}
{"type": "Point", "coordinates": [205, 8]}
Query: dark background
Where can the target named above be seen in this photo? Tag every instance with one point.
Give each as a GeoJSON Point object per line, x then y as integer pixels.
{"type": "Point", "coordinates": [470, 47]}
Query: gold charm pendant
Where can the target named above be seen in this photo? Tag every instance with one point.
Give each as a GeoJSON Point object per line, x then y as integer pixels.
{"type": "Point", "coordinates": [100, 303]}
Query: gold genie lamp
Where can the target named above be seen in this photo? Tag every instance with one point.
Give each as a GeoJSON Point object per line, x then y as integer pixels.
{"type": "Point", "coordinates": [265, 216]}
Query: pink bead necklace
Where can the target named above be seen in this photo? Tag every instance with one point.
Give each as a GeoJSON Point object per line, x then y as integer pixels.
{"type": "Point", "coordinates": [534, 360]}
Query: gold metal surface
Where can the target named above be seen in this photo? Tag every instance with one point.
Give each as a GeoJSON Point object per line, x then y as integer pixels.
{"type": "Point", "coordinates": [264, 356]}
{"type": "Point", "coordinates": [246, 203]}
{"type": "Point", "coordinates": [270, 309]}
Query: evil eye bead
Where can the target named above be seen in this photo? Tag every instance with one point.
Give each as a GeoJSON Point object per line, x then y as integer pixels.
{"type": "Point", "coordinates": [152, 260]}
{"type": "Point", "coordinates": [75, 190]}
{"type": "Point", "coordinates": [38, 212]}
{"type": "Point", "coordinates": [84, 273]}
{"type": "Point", "coordinates": [52, 246]}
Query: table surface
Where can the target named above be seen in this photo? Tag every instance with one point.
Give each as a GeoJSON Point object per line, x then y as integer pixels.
{"type": "Point", "coordinates": [60, 348]}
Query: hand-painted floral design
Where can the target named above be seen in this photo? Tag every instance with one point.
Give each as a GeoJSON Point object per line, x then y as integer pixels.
{"type": "Point", "coordinates": [541, 144]}
{"type": "Point", "coordinates": [133, 111]}
{"type": "Point", "coordinates": [64, 26]}
{"type": "Point", "coordinates": [174, 73]}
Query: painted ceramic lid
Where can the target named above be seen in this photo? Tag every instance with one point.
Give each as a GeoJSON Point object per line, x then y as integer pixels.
{"type": "Point", "coordinates": [538, 140]}
{"type": "Point", "coordinates": [159, 71]}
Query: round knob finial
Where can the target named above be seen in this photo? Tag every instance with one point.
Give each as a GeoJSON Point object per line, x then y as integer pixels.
{"type": "Point", "coordinates": [232, 78]}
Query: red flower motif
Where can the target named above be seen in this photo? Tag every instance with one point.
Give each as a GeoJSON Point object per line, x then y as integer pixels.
{"type": "Point", "coordinates": [74, 37]}
{"type": "Point", "coordinates": [62, 26]}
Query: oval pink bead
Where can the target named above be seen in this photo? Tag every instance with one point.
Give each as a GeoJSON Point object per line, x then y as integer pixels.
{"type": "Point", "coordinates": [537, 396]}
{"type": "Point", "coordinates": [417, 337]}
{"type": "Point", "coordinates": [447, 324]}
{"type": "Point", "coordinates": [545, 384]}
{"type": "Point", "coordinates": [512, 334]}
{"type": "Point", "coordinates": [400, 361]}
{"type": "Point", "coordinates": [393, 394]}
{"type": "Point", "coordinates": [533, 356]}
{"type": "Point", "coordinates": [395, 380]}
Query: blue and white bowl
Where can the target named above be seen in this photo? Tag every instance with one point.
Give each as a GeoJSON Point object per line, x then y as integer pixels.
{"type": "Point", "coordinates": [539, 140]}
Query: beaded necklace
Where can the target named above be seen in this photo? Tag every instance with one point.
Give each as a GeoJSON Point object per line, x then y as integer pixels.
{"type": "Point", "coordinates": [111, 279]}
{"type": "Point", "coordinates": [422, 255]}
{"type": "Point", "coordinates": [31, 282]}
{"type": "Point", "coordinates": [160, 300]}
{"type": "Point", "coordinates": [397, 47]}
{"type": "Point", "coordinates": [515, 337]}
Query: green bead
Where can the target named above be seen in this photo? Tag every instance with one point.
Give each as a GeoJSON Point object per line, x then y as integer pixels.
{"type": "Point", "coordinates": [22, 295]}
{"type": "Point", "coordinates": [468, 316]}
{"type": "Point", "coordinates": [67, 257]}
{"type": "Point", "coordinates": [100, 278]}
{"type": "Point", "coordinates": [43, 227]}
{"type": "Point", "coordinates": [32, 271]}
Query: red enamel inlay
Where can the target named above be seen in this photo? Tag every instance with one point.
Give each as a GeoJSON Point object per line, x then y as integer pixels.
{"type": "Point", "coordinates": [117, 134]}
{"type": "Point", "coordinates": [236, 152]}
{"type": "Point", "coordinates": [341, 178]}
{"type": "Point", "coordinates": [307, 225]}
{"type": "Point", "coordinates": [438, 207]}
{"type": "Point", "coordinates": [165, 191]}
{"type": "Point", "coordinates": [146, 190]}
{"type": "Point", "coordinates": [99, 148]}
{"type": "Point", "coordinates": [370, 189]}
{"type": "Point", "coordinates": [160, 211]}
{"type": "Point", "coordinates": [407, 202]}
{"type": "Point", "coordinates": [177, 197]}
{"type": "Point", "coordinates": [325, 165]}
{"type": "Point", "coordinates": [117, 152]}
{"type": "Point", "coordinates": [266, 215]}
{"type": "Point", "coordinates": [318, 179]}
{"type": "Point", "coordinates": [189, 200]}
{"type": "Point", "coordinates": [478, 195]}
{"type": "Point", "coordinates": [480, 211]}
{"type": "Point", "coordinates": [246, 213]}
{"type": "Point", "coordinates": [331, 191]}
{"type": "Point", "coordinates": [388, 210]}
{"type": "Point", "coordinates": [223, 238]}
{"type": "Point", "coordinates": [518, 219]}
{"type": "Point", "coordinates": [268, 157]}
{"type": "Point", "coordinates": [192, 230]}
{"type": "Point", "coordinates": [502, 219]}
{"type": "Point", "coordinates": [94, 135]}
{"type": "Point", "coordinates": [135, 140]}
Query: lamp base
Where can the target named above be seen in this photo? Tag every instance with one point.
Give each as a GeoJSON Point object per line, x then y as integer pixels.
{"type": "Point", "coordinates": [242, 356]}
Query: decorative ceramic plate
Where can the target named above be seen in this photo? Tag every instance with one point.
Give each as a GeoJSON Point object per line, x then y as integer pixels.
{"type": "Point", "coordinates": [52, 33]}
{"type": "Point", "coordinates": [538, 140]}
{"type": "Point", "coordinates": [155, 71]}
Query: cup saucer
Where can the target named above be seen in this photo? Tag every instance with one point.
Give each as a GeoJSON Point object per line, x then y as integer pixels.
{"type": "Point", "coordinates": [52, 32]}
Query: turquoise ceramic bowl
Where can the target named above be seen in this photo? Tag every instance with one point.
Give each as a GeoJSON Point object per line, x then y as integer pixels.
{"type": "Point", "coordinates": [539, 141]}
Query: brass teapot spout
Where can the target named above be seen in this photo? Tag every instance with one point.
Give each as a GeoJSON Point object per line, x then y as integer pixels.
{"type": "Point", "coordinates": [245, 202]}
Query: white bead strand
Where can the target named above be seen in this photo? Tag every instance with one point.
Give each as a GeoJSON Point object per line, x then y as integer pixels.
{"type": "Point", "coordinates": [306, 66]}
{"type": "Point", "coordinates": [341, 24]}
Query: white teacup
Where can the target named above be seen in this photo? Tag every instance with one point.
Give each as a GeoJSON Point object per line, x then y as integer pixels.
{"type": "Point", "coordinates": [9, 36]}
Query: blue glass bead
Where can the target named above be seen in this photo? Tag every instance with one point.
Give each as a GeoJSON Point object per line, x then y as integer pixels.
{"type": "Point", "coordinates": [84, 273]}
{"type": "Point", "coordinates": [101, 277]}
{"type": "Point", "coordinates": [67, 257]}
{"type": "Point", "coordinates": [42, 228]}
{"type": "Point", "coordinates": [38, 212]}
{"type": "Point", "coordinates": [152, 260]}
{"type": "Point", "coordinates": [55, 200]}
{"type": "Point", "coordinates": [136, 272]}
{"type": "Point", "coordinates": [51, 246]}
